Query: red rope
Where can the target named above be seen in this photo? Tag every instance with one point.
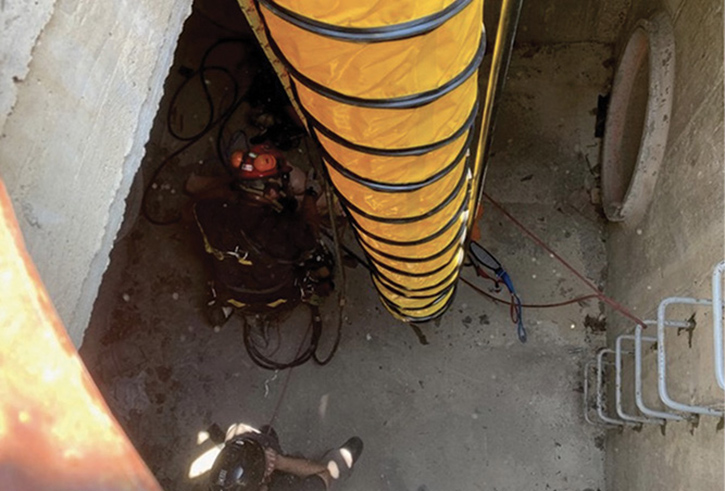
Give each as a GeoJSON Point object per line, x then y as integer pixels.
{"type": "Point", "coordinates": [528, 305]}
{"type": "Point", "coordinates": [604, 298]}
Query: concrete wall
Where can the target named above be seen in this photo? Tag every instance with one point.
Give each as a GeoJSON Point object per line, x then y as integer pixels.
{"type": "Point", "coordinates": [563, 21]}
{"type": "Point", "coordinates": [671, 251]}
{"type": "Point", "coordinates": [80, 82]}
{"type": "Point", "coordinates": [673, 247]}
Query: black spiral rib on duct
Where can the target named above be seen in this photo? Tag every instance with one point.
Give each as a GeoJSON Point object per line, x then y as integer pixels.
{"type": "Point", "coordinates": [393, 106]}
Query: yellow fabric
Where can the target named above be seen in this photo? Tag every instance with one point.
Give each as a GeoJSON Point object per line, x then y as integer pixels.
{"type": "Point", "coordinates": [387, 70]}
{"type": "Point", "coordinates": [424, 284]}
{"type": "Point", "coordinates": [406, 232]}
{"type": "Point", "coordinates": [382, 70]}
{"type": "Point", "coordinates": [405, 302]}
{"type": "Point", "coordinates": [400, 205]}
{"type": "Point", "coordinates": [393, 128]}
{"type": "Point", "coordinates": [425, 249]}
{"type": "Point", "coordinates": [417, 267]}
{"type": "Point", "coordinates": [356, 13]}
{"type": "Point", "coordinates": [407, 314]}
{"type": "Point", "coordinates": [394, 170]}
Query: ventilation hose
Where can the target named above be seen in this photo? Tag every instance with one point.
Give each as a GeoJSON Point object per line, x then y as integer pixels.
{"type": "Point", "coordinates": [390, 94]}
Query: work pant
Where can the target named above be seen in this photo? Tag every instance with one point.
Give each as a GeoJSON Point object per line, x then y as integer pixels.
{"type": "Point", "coordinates": [287, 482]}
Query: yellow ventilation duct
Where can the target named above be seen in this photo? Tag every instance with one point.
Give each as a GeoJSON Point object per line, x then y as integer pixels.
{"type": "Point", "coordinates": [390, 91]}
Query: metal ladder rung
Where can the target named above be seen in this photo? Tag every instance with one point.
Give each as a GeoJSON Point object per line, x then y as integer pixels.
{"type": "Point", "coordinates": [662, 358]}
{"type": "Point", "coordinates": [618, 384]}
{"type": "Point", "coordinates": [600, 385]}
{"type": "Point", "coordinates": [717, 324]}
{"type": "Point", "coordinates": [587, 371]}
{"type": "Point", "coordinates": [653, 416]}
{"type": "Point", "coordinates": [638, 394]}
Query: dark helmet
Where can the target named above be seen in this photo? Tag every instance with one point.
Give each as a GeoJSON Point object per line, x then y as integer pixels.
{"type": "Point", "coordinates": [239, 466]}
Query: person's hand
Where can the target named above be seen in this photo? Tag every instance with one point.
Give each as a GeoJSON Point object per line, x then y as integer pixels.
{"type": "Point", "coordinates": [271, 458]}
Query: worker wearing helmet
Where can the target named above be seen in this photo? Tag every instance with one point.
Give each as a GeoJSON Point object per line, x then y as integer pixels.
{"type": "Point", "coordinates": [252, 460]}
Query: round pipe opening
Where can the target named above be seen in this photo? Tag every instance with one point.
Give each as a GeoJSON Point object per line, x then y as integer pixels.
{"type": "Point", "coordinates": [638, 119]}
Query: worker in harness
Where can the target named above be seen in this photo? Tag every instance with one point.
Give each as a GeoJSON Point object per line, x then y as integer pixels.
{"type": "Point", "coordinates": [265, 249]}
{"type": "Point", "coordinates": [252, 460]}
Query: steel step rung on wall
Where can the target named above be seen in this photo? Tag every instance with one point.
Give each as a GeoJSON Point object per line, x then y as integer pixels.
{"type": "Point", "coordinates": [647, 415]}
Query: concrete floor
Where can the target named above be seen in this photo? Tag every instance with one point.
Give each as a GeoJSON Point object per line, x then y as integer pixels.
{"type": "Point", "coordinates": [473, 409]}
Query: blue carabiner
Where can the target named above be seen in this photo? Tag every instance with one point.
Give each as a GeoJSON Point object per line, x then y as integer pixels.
{"type": "Point", "coordinates": [484, 258]}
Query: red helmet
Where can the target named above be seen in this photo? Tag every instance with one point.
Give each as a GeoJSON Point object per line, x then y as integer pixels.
{"type": "Point", "coordinates": [260, 162]}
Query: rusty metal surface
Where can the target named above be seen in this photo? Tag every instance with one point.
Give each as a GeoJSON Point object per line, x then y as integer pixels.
{"type": "Point", "coordinates": [56, 431]}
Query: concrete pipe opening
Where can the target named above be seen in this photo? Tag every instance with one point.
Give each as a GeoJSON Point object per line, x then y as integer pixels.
{"type": "Point", "coordinates": [638, 119]}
